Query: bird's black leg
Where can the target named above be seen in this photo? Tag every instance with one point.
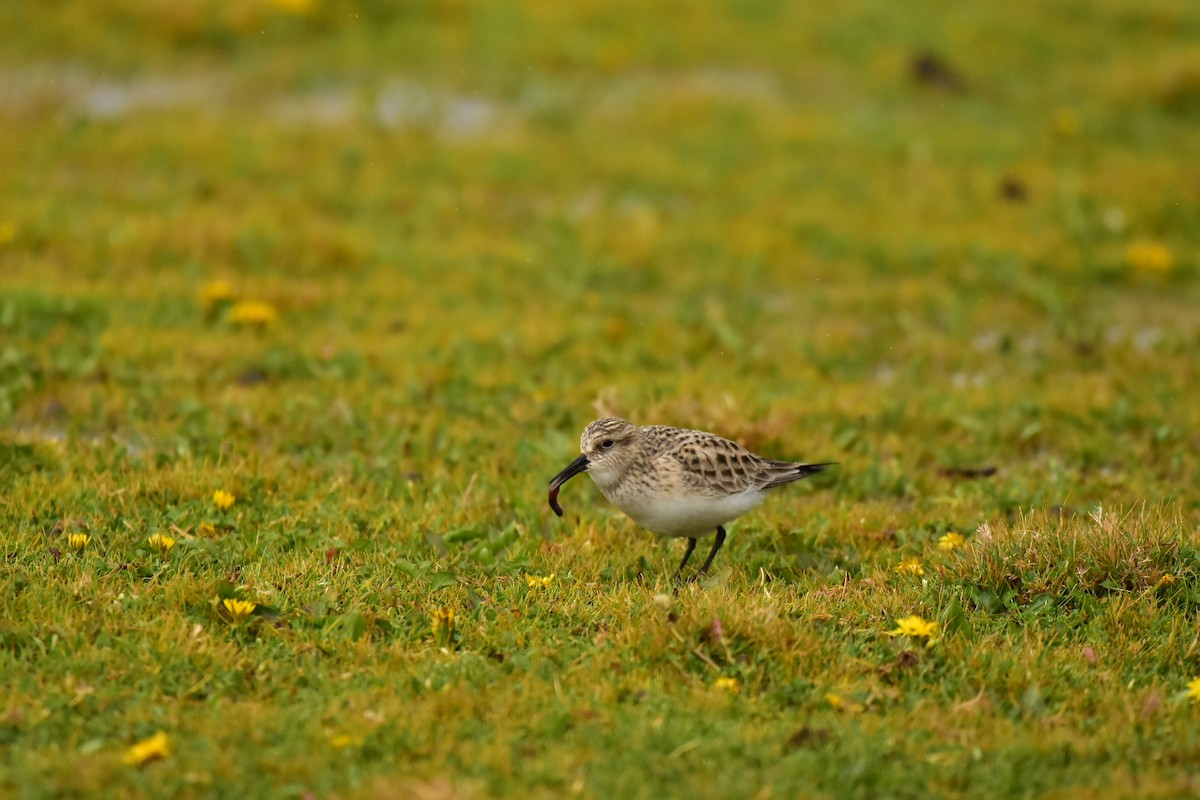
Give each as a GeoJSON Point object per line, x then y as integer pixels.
{"type": "Point", "coordinates": [686, 555]}
{"type": "Point", "coordinates": [720, 540]}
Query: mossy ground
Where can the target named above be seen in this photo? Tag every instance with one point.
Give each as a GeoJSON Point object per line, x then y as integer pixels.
{"type": "Point", "coordinates": [952, 247]}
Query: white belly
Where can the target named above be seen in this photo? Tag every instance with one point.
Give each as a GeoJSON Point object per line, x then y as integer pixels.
{"type": "Point", "coordinates": [689, 516]}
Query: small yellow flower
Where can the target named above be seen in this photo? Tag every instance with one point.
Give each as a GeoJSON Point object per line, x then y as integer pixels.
{"type": "Point", "coordinates": [78, 541]}
{"type": "Point", "coordinates": [910, 566]}
{"type": "Point", "coordinates": [1166, 580]}
{"type": "Point", "coordinates": [343, 741]}
{"type": "Point", "coordinates": [253, 313]}
{"type": "Point", "coordinates": [222, 499]}
{"type": "Point", "coordinates": [161, 543]}
{"type": "Point", "coordinates": [157, 746]}
{"type": "Point", "coordinates": [1193, 690]}
{"type": "Point", "coordinates": [951, 541]}
{"type": "Point", "coordinates": [1150, 256]}
{"type": "Point", "coordinates": [916, 627]}
{"type": "Point", "coordinates": [540, 581]}
{"type": "Point", "coordinates": [728, 684]}
{"type": "Point", "coordinates": [215, 293]}
{"type": "Point", "coordinates": [839, 703]}
{"type": "Point", "coordinates": [443, 626]}
{"type": "Point", "coordinates": [207, 529]}
{"type": "Point", "coordinates": [238, 610]}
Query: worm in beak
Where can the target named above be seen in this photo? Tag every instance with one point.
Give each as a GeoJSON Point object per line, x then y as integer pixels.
{"type": "Point", "coordinates": [574, 468]}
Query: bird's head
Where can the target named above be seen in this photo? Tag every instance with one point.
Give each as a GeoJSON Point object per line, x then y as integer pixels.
{"type": "Point", "coordinates": [606, 447]}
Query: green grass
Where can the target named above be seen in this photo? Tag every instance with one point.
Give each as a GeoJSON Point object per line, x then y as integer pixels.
{"type": "Point", "coordinates": [482, 225]}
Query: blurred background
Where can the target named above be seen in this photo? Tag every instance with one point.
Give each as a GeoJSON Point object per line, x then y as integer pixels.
{"type": "Point", "coordinates": [303, 302]}
{"type": "Point", "coordinates": [376, 239]}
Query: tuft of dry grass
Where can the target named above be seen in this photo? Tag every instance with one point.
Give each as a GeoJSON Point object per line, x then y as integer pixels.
{"type": "Point", "coordinates": [1049, 556]}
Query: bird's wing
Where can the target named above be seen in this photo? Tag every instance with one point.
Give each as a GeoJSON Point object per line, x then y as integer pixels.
{"type": "Point", "coordinates": [717, 466]}
{"type": "Point", "coordinates": [710, 463]}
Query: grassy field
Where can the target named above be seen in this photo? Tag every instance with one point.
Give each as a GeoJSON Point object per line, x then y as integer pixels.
{"type": "Point", "coordinates": [303, 302]}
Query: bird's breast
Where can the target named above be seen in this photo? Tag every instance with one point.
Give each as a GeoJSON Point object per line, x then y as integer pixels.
{"type": "Point", "coordinates": [673, 513]}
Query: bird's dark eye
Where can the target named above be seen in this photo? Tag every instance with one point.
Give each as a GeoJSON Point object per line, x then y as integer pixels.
{"type": "Point", "coordinates": [607, 443]}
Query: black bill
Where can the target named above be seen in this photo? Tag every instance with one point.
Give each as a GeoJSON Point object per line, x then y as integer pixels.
{"type": "Point", "coordinates": [574, 468]}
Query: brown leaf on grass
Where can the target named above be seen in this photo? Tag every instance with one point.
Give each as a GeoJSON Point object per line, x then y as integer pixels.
{"type": "Point", "coordinates": [967, 472]}
{"type": "Point", "coordinates": [1150, 704]}
{"type": "Point", "coordinates": [1089, 655]}
{"type": "Point", "coordinates": [805, 737]}
{"type": "Point", "coordinates": [1013, 189]}
{"type": "Point", "coordinates": [930, 69]}
{"type": "Point", "coordinates": [252, 376]}
{"type": "Point", "coordinates": [904, 661]}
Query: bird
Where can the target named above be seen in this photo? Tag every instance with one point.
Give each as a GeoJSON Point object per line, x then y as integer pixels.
{"type": "Point", "coordinates": [676, 482]}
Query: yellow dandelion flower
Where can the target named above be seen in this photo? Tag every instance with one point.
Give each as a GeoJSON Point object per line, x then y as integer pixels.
{"type": "Point", "coordinates": [238, 610]}
{"type": "Point", "coordinates": [443, 626]}
{"type": "Point", "coordinates": [540, 581]}
{"type": "Point", "coordinates": [1166, 580]}
{"type": "Point", "coordinates": [910, 566]}
{"type": "Point", "coordinates": [253, 313]}
{"type": "Point", "coordinates": [839, 703]}
{"type": "Point", "coordinates": [728, 684]}
{"type": "Point", "coordinates": [443, 618]}
{"type": "Point", "coordinates": [343, 741]}
{"type": "Point", "coordinates": [951, 541]}
{"type": "Point", "coordinates": [207, 529]}
{"type": "Point", "coordinates": [78, 541]}
{"type": "Point", "coordinates": [298, 7]}
{"type": "Point", "coordinates": [915, 627]}
{"type": "Point", "coordinates": [223, 500]}
{"type": "Point", "coordinates": [1150, 256]}
{"type": "Point", "coordinates": [157, 746]}
{"type": "Point", "coordinates": [161, 543]}
{"type": "Point", "coordinates": [1193, 690]}
{"type": "Point", "coordinates": [215, 293]}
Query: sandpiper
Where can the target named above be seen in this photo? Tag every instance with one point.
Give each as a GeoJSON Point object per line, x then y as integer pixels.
{"type": "Point", "coordinates": [674, 481]}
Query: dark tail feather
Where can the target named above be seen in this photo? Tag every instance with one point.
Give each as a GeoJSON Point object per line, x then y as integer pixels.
{"type": "Point", "coordinates": [796, 471]}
